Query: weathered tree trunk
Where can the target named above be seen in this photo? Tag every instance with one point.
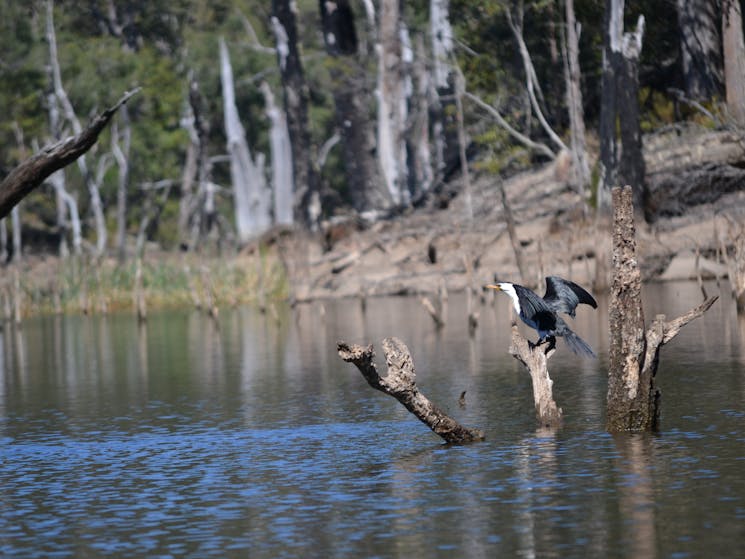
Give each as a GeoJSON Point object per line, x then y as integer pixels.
{"type": "Point", "coordinates": [281, 155]}
{"type": "Point", "coordinates": [633, 400]}
{"type": "Point", "coordinates": [631, 164]}
{"type": "Point", "coordinates": [444, 128]}
{"type": "Point", "coordinates": [392, 103]}
{"type": "Point", "coordinates": [71, 116]}
{"type": "Point", "coordinates": [735, 236]}
{"type": "Point", "coordinates": [400, 383]}
{"type": "Point", "coordinates": [536, 361]}
{"type": "Point", "coordinates": [612, 31]}
{"type": "Point", "coordinates": [66, 204]}
{"type": "Point", "coordinates": [421, 171]}
{"type": "Point", "coordinates": [351, 99]}
{"type": "Point", "coordinates": [188, 179]}
{"type": "Point", "coordinates": [734, 59]}
{"type": "Point", "coordinates": [698, 25]}
{"type": "Point", "coordinates": [620, 105]}
{"type": "Point", "coordinates": [15, 222]}
{"type": "Point", "coordinates": [121, 154]}
{"type": "Point", "coordinates": [460, 88]}
{"type": "Point", "coordinates": [250, 195]}
{"type": "Point", "coordinates": [306, 179]}
{"type": "Point", "coordinates": [32, 172]}
{"type": "Point", "coordinates": [580, 165]}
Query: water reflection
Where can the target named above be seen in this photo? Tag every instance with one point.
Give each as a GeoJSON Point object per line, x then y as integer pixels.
{"type": "Point", "coordinates": [636, 504]}
{"type": "Point", "coordinates": [187, 437]}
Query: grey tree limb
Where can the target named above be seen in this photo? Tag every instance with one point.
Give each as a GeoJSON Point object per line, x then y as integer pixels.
{"type": "Point", "coordinates": [34, 170]}
{"type": "Point", "coordinates": [400, 383]}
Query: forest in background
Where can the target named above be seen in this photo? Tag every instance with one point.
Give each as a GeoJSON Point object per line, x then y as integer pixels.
{"type": "Point", "coordinates": [253, 115]}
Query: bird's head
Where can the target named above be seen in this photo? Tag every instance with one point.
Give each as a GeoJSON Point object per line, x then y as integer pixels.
{"type": "Point", "coordinates": [499, 286]}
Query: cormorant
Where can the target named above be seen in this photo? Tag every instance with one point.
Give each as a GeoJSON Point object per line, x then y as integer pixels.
{"type": "Point", "coordinates": [542, 313]}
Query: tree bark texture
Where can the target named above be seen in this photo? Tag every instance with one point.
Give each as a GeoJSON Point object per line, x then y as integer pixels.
{"type": "Point", "coordinates": [608, 103]}
{"type": "Point", "coordinates": [621, 157]}
{"type": "Point", "coordinates": [295, 88]}
{"type": "Point", "coordinates": [733, 48]}
{"type": "Point", "coordinates": [580, 164]}
{"type": "Point", "coordinates": [698, 24]}
{"type": "Point", "coordinates": [536, 361]}
{"type": "Point", "coordinates": [392, 103]}
{"type": "Point", "coordinates": [366, 187]}
{"type": "Point", "coordinates": [32, 172]}
{"type": "Point", "coordinates": [442, 115]}
{"type": "Point", "coordinates": [400, 383]}
{"type": "Point", "coordinates": [633, 399]}
{"type": "Point", "coordinates": [631, 164]}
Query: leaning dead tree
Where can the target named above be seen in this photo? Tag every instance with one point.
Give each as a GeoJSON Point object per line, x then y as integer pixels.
{"type": "Point", "coordinates": [535, 359]}
{"type": "Point", "coordinates": [400, 383]}
{"type": "Point", "coordinates": [633, 400]}
{"type": "Point", "coordinates": [34, 170]}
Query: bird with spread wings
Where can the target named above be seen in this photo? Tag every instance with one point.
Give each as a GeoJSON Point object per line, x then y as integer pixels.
{"type": "Point", "coordinates": [542, 313]}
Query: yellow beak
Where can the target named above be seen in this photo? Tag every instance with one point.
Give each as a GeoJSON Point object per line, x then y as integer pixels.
{"type": "Point", "coordinates": [494, 287]}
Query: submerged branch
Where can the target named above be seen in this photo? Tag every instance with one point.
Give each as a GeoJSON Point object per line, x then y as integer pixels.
{"type": "Point", "coordinates": [400, 383]}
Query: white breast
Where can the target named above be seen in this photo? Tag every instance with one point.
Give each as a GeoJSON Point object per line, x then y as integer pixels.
{"type": "Point", "coordinates": [510, 290]}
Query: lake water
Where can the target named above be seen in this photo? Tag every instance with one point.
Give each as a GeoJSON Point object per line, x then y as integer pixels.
{"type": "Point", "coordinates": [179, 439]}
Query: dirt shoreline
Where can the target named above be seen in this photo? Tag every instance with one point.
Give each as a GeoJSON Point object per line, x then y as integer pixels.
{"type": "Point", "coordinates": [430, 248]}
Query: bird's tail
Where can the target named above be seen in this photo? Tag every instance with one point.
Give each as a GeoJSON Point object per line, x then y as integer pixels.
{"type": "Point", "coordinates": [577, 344]}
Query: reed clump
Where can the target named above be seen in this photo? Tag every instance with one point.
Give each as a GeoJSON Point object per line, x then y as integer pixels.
{"type": "Point", "coordinates": [78, 285]}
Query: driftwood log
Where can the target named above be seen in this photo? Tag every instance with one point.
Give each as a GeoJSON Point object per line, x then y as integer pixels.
{"type": "Point", "coordinates": [33, 171]}
{"type": "Point", "coordinates": [633, 400]}
{"type": "Point", "coordinates": [400, 383]}
{"type": "Point", "coordinates": [535, 359]}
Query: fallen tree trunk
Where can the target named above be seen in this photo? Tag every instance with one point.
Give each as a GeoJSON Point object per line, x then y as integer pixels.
{"type": "Point", "coordinates": [32, 172]}
{"type": "Point", "coordinates": [633, 400]}
{"type": "Point", "coordinates": [400, 383]}
{"type": "Point", "coordinates": [535, 360]}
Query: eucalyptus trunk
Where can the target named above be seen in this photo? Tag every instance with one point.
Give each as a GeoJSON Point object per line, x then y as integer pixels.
{"type": "Point", "coordinates": [306, 181]}
{"type": "Point", "coordinates": [251, 198]}
{"type": "Point", "coordinates": [352, 97]}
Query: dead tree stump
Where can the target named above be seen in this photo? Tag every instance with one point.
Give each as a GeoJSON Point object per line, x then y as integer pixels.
{"type": "Point", "coordinates": [633, 400]}
{"type": "Point", "coordinates": [400, 383]}
{"type": "Point", "coordinates": [535, 360]}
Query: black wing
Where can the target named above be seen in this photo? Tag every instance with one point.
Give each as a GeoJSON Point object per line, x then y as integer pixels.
{"type": "Point", "coordinates": [564, 295]}
{"type": "Point", "coordinates": [535, 309]}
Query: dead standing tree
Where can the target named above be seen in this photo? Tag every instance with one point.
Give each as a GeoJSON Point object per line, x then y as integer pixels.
{"type": "Point", "coordinates": [633, 400]}
{"type": "Point", "coordinates": [400, 383]}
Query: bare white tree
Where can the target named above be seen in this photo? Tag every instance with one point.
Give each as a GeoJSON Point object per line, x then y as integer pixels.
{"type": "Point", "coordinates": [72, 118]}
{"type": "Point", "coordinates": [251, 197]}
{"type": "Point", "coordinates": [394, 87]}
{"type": "Point", "coordinates": [281, 156]}
{"type": "Point", "coordinates": [580, 164]}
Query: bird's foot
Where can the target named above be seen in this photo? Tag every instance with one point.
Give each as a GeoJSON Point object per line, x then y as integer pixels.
{"type": "Point", "coordinates": [551, 345]}
{"type": "Point", "coordinates": [550, 340]}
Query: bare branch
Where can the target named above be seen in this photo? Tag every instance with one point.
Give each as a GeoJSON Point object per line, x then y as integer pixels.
{"type": "Point", "coordinates": [34, 170]}
{"type": "Point", "coordinates": [522, 138]}
{"type": "Point", "coordinates": [400, 383]}
{"type": "Point", "coordinates": [532, 83]}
